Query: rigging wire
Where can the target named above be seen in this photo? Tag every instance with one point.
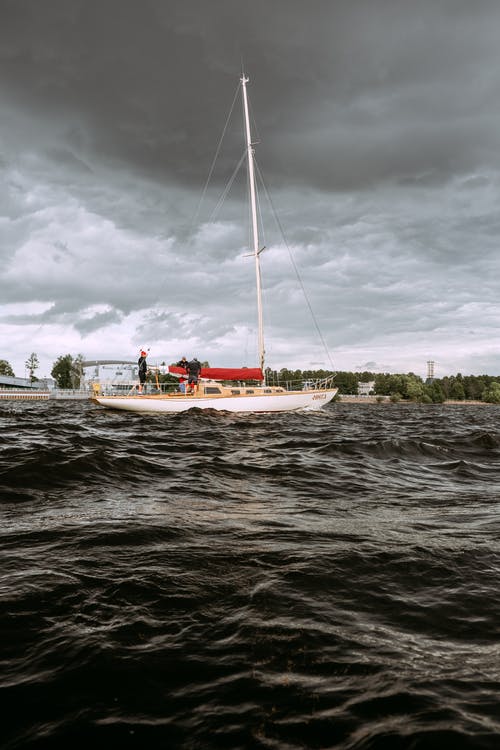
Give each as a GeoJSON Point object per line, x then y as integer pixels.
{"type": "Point", "coordinates": [216, 156]}
{"type": "Point", "coordinates": [204, 191]}
{"type": "Point", "coordinates": [294, 265]}
{"type": "Point", "coordinates": [226, 189]}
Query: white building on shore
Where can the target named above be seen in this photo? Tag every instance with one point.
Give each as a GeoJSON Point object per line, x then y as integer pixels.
{"type": "Point", "coordinates": [113, 372]}
{"type": "Point", "coordinates": [366, 389]}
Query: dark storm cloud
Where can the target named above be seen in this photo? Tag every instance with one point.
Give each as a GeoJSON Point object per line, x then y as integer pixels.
{"type": "Point", "coordinates": [347, 93]}
{"type": "Point", "coordinates": [377, 129]}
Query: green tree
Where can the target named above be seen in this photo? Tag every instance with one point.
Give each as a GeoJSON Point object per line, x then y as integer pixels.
{"type": "Point", "coordinates": [5, 368]}
{"type": "Point", "coordinates": [435, 392]}
{"type": "Point", "coordinates": [446, 385]}
{"type": "Point", "coordinates": [474, 387]}
{"type": "Point", "coordinates": [457, 391]}
{"type": "Point", "coordinates": [62, 371]}
{"type": "Point", "coordinates": [76, 371]}
{"type": "Point", "coordinates": [492, 394]}
{"type": "Point", "coordinates": [167, 378]}
{"type": "Point", "coordinates": [387, 384]}
{"type": "Point", "coordinates": [346, 382]}
{"type": "Point", "coordinates": [382, 383]}
{"type": "Point", "coordinates": [31, 365]}
{"type": "Point", "coordinates": [414, 387]}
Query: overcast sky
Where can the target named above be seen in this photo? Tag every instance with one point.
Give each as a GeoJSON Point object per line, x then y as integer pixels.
{"type": "Point", "coordinates": [378, 124]}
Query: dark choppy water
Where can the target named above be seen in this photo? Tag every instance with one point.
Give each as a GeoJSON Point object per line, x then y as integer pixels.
{"type": "Point", "coordinates": [217, 581]}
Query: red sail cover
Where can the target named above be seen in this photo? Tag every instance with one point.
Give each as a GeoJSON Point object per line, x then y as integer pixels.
{"type": "Point", "coordinates": [224, 373]}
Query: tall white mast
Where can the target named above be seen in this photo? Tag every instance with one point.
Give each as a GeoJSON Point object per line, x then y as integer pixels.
{"type": "Point", "coordinates": [255, 229]}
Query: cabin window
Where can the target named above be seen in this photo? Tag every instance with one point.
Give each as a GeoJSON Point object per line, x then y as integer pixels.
{"type": "Point", "coordinates": [267, 390]}
{"type": "Point", "coordinates": [212, 389]}
{"type": "Point", "coordinates": [248, 391]}
{"type": "Point", "coordinates": [235, 392]}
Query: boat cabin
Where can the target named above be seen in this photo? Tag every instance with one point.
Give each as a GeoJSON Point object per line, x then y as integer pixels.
{"type": "Point", "coordinates": [217, 389]}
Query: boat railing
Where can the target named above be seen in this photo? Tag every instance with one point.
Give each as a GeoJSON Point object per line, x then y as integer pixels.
{"type": "Point", "coordinates": [308, 384]}
{"type": "Point", "coordinates": [128, 389]}
{"type": "Point", "coordinates": [154, 389]}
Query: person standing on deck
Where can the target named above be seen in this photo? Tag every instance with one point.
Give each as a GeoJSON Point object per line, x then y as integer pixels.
{"type": "Point", "coordinates": [194, 370]}
{"type": "Point", "coordinates": [143, 369]}
{"type": "Point", "coordinates": [182, 381]}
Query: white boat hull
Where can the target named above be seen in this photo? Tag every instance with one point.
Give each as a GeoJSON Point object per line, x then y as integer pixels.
{"type": "Point", "coordinates": [277, 402]}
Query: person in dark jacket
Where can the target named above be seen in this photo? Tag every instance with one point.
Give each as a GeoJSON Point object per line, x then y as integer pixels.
{"type": "Point", "coordinates": [182, 381]}
{"type": "Point", "coordinates": [193, 370]}
{"type": "Point", "coordinates": [143, 369]}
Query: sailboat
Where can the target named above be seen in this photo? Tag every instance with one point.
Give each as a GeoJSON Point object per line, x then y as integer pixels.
{"type": "Point", "coordinates": [232, 389]}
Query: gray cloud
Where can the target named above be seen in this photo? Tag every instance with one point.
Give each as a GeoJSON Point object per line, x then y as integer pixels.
{"type": "Point", "coordinates": [378, 138]}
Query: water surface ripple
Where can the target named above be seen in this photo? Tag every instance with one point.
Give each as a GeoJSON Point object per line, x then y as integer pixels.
{"type": "Point", "coordinates": [209, 580]}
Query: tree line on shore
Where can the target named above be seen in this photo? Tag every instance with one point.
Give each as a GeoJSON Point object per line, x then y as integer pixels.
{"type": "Point", "coordinates": [407, 386]}
{"type": "Point", "coordinates": [67, 372]}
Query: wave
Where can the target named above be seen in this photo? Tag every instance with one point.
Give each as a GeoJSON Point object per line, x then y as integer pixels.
{"type": "Point", "coordinates": [214, 580]}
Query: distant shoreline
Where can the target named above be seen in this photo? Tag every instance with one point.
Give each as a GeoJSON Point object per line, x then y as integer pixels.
{"type": "Point", "coordinates": [373, 400]}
